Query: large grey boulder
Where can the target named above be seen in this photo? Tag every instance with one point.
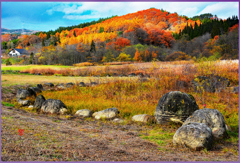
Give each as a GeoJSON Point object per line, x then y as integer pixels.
{"type": "Point", "coordinates": [23, 94]}
{"type": "Point", "coordinates": [109, 113]}
{"type": "Point", "coordinates": [53, 106]}
{"type": "Point", "coordinates": [143, 118]}
{"type": "Point", "coordinates": [175, 106]}
{"type": "Point", "coordinates": [84, 113]}
{"type": "Point", "coordinates": [196, 136]}
{"type": "Point", "coordinates": [210, 84]}
{"type": "Point", "coordinates": [39, 101]}
{"type": "Point", "coordinates": [212, 118]}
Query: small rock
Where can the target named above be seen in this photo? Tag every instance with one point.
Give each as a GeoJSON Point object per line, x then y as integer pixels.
{"type": "Point", "coordinates": [82, 84]}
{"type": "Point", "coordinates": [49, 84]}
{"type": "Point", "coordinates": [23, 102]}
{"type": "Point", "coordinates": [30, 106]}
{"type": "Point", "coordinates": [69, 85]}
{"type": "Point", "coordinates": [35, 89]}
{"type": "Point", "coordinates": [109, 113]}
{"type": "Point", "coordinates": [235, 89]}
{"type": "Point", "coordinates": [118, 120]}
{"type": "Point", "coordinates": [143, 118]}
{"type": "Point", "coordinates": [63, 110]}
{"type": "Point", "coordinates": [40, 86]}
{"type": "Point", "coordinates": [61, 86]}
{"type": "Point", "coordinates": [84, 113]}
{"type": "Point", "coordinates": [196, 136]}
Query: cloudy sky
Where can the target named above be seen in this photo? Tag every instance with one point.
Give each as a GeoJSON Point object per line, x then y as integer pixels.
{"type": "Point", "coordinates": [46, 16]}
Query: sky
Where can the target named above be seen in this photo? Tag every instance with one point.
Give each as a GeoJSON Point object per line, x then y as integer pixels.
{"type": "Point", "coordinates": [45, 16]}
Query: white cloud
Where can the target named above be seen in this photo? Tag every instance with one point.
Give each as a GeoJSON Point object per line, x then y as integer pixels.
{"type": "Point", "coordinates": [75, 11]}
{"type": "Point", "coordinates": [222, 9]}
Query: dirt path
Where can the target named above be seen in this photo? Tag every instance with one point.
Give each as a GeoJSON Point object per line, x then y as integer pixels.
{"type": "Point", "coordinates": [51, 138]}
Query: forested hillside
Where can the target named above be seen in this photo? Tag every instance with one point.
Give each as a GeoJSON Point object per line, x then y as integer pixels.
{"type": "Point", "coordinates": [147, 35]}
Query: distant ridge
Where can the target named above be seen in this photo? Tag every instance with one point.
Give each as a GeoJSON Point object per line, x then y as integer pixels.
{"type": "Point", "coordinates": [17, 31]}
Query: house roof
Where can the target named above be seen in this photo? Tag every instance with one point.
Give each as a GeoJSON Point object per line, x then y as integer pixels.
{"type": "Point", "coordinates": [22, 51]}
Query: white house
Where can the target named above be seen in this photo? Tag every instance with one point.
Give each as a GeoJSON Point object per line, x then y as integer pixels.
{"type": "Point", "coordinates": [18, 52]}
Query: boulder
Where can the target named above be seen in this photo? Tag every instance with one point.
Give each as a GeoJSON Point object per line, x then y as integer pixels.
{"type": "Point", "coordinates": [143, 118]}
{"type": "Point", "coordinates": [235, 89]}
{"type": "Point", "coordinates": [69, 85]}
{"type": "Point", "coordinates": [39, 101]}
{"type": "Point", "coordinates": [196, 136]}
{"type": "Point", "coordinates": [109, 113]}
{"type": "Point", "coordinates": [93, 83]}
{"type": "Point", "coordinates": [175, 106]}
{"type": "Point", "coordinates": [84, 113]}
{"type": "Point", "coordinates": [23, 102]}
{"type": "Point", "coordinates": [49, 84]}
{"type": "Point", "coordinates": [53, 106]}
{"type": "Point", "coordinates": [82, 84]}
{"type": "Point", "coordinates": [210, 84]}
{"type": "Point", "coordinates": [132, 74]}
{"type": "Point", "coordinates": [40, 86]}
{"type": "Point", "coordinates": [36, 89]}
{"type": "Point", "coordinates": [212, 118]}
{"type": "Point", "coordinates": [23, 94]}
{"type": "Point", "coordinates": [32, 92]}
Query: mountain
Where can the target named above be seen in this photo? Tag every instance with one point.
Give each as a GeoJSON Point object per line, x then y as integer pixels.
{"type": "Point", "coordinates": [18, 31]}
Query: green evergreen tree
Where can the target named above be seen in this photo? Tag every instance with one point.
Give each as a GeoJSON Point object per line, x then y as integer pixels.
{"type": "Point", "coordinates": [43, 43]}
{"type": "Point", "coordinates": [74, 34]}
{"type": "Point", "coordinates": [31, 58]}
{"type": "Point", "coordinates": [215, 30]}
{"type": "Point", "coordinates": [92, 47]}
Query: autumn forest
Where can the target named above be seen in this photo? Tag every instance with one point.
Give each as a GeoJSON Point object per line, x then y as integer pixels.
{"type": "Point", "coordinates": [147, 35]}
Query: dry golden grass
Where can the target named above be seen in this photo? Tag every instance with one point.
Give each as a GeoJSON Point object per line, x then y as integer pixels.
{"type": "Point", "coordinates": [13, 79]}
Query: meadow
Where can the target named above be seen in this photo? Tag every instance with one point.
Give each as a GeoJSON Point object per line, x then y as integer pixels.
{"type": "Point", "coordinates": [133, 95]}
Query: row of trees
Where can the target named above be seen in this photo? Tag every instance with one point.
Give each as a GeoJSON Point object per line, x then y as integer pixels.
{"type": "Point", "coordinates": [213, 26]}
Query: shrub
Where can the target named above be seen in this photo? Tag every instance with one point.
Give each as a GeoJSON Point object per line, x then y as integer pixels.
{"type": "Point", "coordinates": [8, 62]}
{"type": "Point", "coordinates": [177, 56]}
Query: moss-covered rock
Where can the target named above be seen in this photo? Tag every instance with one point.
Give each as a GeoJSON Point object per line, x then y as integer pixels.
{"type": "Point", "coordinates": [175, 106]}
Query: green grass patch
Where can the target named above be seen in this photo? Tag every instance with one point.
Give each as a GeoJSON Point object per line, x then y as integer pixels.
{"type": "Point", "coordinates": [7, 104]}
{"type": "Point", "coordinates": [27, 67]}
{"type": "Point", "coordinates": [161, 138]}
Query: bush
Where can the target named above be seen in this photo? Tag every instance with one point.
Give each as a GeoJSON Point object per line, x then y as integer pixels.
{"type": "Point", "coordinates": [8, 62]}
{"type": "Point", "coordinates": [83, 64]}
{"type": "Point", "coordinates": [177, 56]}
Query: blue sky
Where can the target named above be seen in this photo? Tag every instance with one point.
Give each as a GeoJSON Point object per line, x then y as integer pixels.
{"type": "Point", "coordinates": [47, 16]}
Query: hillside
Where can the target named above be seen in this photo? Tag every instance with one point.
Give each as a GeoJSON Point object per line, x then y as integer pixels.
{"type": "Point", "coordinates": [152, 26]}
{"type": "Point", "coordinates": [146, 35]}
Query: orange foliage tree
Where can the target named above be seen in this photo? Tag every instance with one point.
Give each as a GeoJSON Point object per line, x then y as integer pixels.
{"type": "Point", "coordinates": [137, 56]}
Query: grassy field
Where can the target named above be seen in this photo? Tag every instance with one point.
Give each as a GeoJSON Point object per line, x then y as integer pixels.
{"type": "Point", "coordinates": [29, 67]}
